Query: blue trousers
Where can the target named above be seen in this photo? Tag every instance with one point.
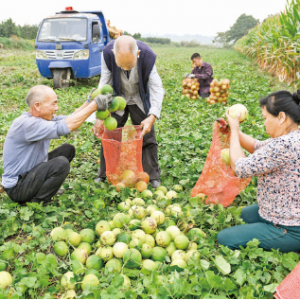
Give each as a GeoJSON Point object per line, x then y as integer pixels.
{"type": "Point", "coordinates": [271, 236]}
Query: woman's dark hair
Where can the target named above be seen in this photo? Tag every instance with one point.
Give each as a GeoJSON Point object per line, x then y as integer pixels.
{"type": "Point", "coordinates": [283, 101]}
{"type": "Point", "coordinates": [195, 55]}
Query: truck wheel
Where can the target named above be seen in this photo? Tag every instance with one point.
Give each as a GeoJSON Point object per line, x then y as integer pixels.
{"type": "Point", "coordinates": [60, 79]}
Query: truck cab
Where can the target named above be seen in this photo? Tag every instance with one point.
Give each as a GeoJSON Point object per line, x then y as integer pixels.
{"type": "Point", "coordinates": [69, 45]}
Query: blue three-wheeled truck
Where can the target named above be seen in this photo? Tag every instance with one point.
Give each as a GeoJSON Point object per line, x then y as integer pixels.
{"type": "Point", "coordinates": [69, 45]}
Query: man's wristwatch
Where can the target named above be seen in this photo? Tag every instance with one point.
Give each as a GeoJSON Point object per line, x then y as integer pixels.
{"type": "Point", "coordinates": [89, 97]}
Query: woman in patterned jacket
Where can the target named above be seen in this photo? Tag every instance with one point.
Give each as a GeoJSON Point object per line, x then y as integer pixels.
{"type": "Point", "coordinates": [275, 219]}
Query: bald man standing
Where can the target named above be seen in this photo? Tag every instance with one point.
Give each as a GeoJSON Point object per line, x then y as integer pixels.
{"type": "Point", "coordinates": [129, 66]}
{"type": "Point", "coordinates": [31, 174]}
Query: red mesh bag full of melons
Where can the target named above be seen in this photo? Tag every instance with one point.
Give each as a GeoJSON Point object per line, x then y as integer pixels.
{"type": "Point", "coordinates": [122, 149]}
{"type": "Point", "coordinates": [217, 180]}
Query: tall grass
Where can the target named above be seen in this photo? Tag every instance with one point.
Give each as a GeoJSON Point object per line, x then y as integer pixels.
{"type": "Point", "coordinates": [11, 43]}
{"type": "Point", "coordinates": [275, 44]}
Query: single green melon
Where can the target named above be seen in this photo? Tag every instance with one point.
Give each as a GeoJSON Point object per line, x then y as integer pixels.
{"type": "Point", "coordinates": [102, 115]}
{"type": "Point", "coordinates": [110, 123]}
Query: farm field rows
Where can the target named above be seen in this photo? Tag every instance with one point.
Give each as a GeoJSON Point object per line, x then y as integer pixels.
{"type": "Point", "coordinates": [184, 135]}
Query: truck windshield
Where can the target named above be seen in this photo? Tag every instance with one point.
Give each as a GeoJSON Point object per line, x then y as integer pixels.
{"type": "Point", "coordinates": [63, 29]}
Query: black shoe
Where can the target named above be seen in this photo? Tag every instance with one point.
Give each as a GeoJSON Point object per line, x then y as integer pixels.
{"type": "Point", "coordinates": [99, 179]}
{"type": "Point", "coordinates": [155, 183]}
{"type": "Point", "coordinates": [60, 192]}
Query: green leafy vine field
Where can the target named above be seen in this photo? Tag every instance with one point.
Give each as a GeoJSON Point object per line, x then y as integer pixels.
{"type": "Point", "coordinates": [184, 135]}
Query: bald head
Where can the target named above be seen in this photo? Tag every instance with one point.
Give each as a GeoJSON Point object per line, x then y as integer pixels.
{"type": "Point", "coordinates": [126, 52]}
{"type": "Point", "coordinates": [125, 44]}
{"type": "Point", "coordinates": [38, 93]}
{"type": "Point", "coordinates": [42, 102]}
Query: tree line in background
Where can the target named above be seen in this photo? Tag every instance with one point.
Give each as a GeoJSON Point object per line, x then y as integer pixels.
{"type": "Point", "coordinates": [8, 28]}
{"type": "Point", "coordinates": [163, 41]}
{"type": "Point", "coordinates": [240, 28]}
{"type": "Point", "coordinates": [155, 40]}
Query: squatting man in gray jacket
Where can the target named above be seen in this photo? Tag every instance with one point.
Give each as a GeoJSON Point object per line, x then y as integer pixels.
{"type": "Point", "coordinates": [31, 174]}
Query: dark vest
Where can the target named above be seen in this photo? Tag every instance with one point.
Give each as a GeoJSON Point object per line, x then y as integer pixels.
{"type": "Point", "coordinates": [145, 62]}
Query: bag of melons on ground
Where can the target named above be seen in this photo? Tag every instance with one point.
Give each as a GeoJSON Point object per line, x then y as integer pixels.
{"type": "Point", "coordinates": [122, 147]}
{"type": "Point", "coordinates": [217, 184]}
{"type": "Point", "coordinates": [219, 91]}
{"type": "Point", "coordinates": [190, 88]}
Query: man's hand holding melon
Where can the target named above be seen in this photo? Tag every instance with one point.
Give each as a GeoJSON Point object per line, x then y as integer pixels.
{"type": "Point", "coordinates": [106, 104]}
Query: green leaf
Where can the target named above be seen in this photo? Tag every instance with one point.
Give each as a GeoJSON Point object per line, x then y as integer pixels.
{"type": "Point", "coordinates": [88, 213]}
{"type": "Point", "coordinates": [26, 213]}
{"type": "Point", "coordinates": [175, 268]}
{"type": "Point", "coordinates": [195, 289]}
{"type": "Point", "coordinates": [222, 264]}
{"type": "Point", "coordinates": [194, 202]}
{"type": "Point", "coordinates": [131, 273]}
{"type": "Point", "coordinates": [29, 281]}
{"type": "Point", "coordinates": [214, 296]}
{"type": "Point", "coordinates": [266, 277]}
{"type": "Point", "coordinates": [253, 244]}
{"type": "Point", "coordinates": [118, 281]}
{"type": "Point", "coordinates": [51, 260]}
{"type": "Point", "coordinates": [44, 281]}
{"type": "Point", "coordinates": [163, 293]}
{"type": "Point", "coordinates": [204, 264]}
{"type": "Point", "coordinates": [240, 276]}
{"type": "Point", "coordinates": [290, 260]}
{"type": "Point", "coordinates": [130, 295]}
{"type": "Point", "coordinates": [197, 135]}
{"type": "Point", "coordinates": [184, 182]}
{"type": "Point", "coordinates": [229, 285]}
{"type": "Point", "coordinates": [97, 293]}
{"type": "Point", "coordinates": [112, 293]}
{"type": "Point", "coordinates": [271, 287]}
{"type": "Point", "coordinates": [214, 280]}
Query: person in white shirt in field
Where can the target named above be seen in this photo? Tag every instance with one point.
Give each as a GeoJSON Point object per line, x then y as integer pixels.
{"type": "Point", "coordinates": [129, 66]}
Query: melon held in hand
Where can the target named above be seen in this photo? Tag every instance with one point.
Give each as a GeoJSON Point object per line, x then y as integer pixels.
{"type": "Point", "coordinates": [110, 123]}
{"type": "Point", "coordinates": [106, 89]}
{"type": "Point", "coordinates": [238, 109]}
{"type": "Point", "coordinates": [102, 115]}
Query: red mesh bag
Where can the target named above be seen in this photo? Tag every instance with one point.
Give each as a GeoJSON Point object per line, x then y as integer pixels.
{"type": "Point", "coordinates": [217, 180]}
{"type": "Point", "coordinates": [289, 288]}
{"type": "Point", "coordinates": [122, 149]}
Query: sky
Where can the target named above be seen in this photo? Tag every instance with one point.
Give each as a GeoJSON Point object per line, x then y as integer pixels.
{"type": "Point", "coordinates": [158, 17]}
